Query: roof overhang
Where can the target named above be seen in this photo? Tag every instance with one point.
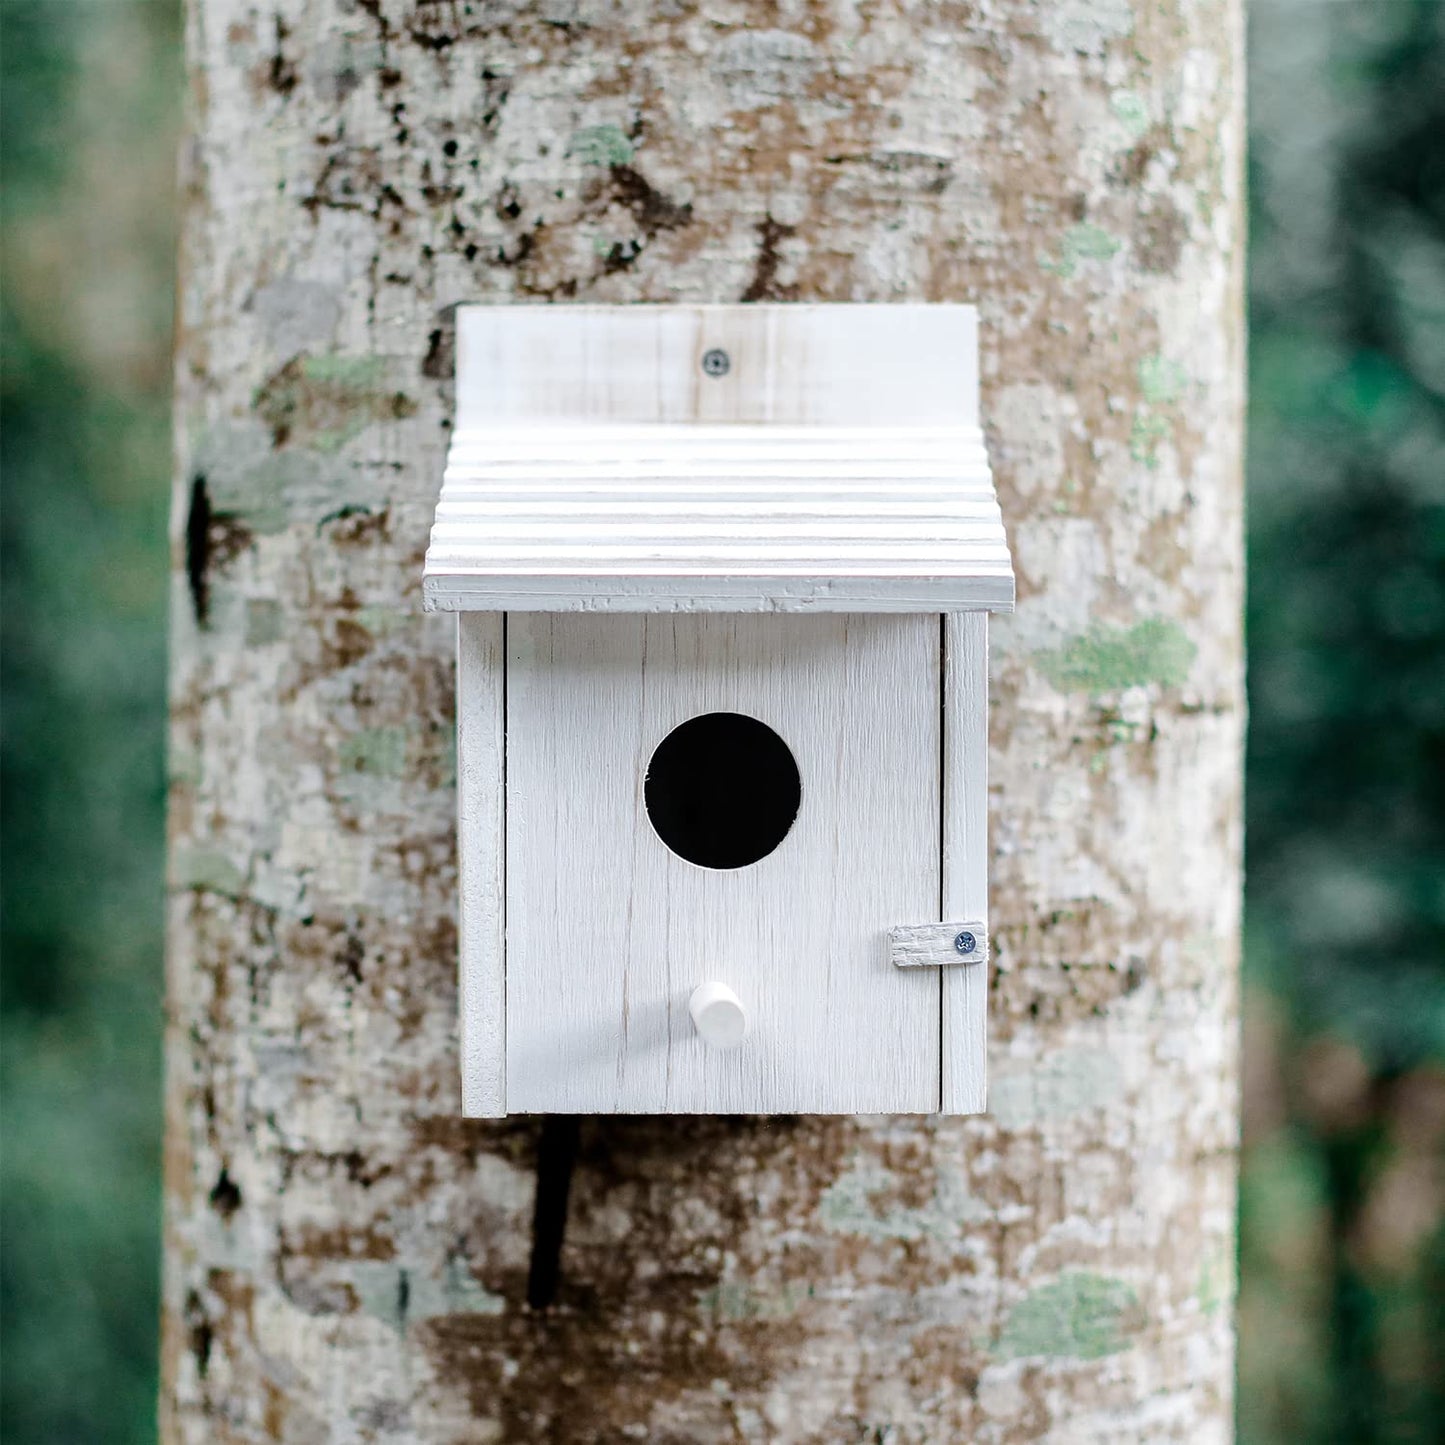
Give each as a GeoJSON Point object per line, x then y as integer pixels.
{"type": "Point", "coordinates": [718, 458]}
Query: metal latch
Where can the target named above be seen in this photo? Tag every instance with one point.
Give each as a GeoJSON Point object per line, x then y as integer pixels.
{"type": "Point", "coordinates": [938, 945]}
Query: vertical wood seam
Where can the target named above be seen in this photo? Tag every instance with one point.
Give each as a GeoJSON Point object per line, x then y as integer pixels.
{"type": "Point", "coordinates": [965, 872]}
{"type": "Point", "coordinates": [480, 861]}
{"type": "Point", "coordinates": [942, 845]}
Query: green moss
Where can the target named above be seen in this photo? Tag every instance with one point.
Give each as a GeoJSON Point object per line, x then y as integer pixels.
{"type": "Point", "coordinates": [852, 1205]}
{"type": "Point", "coordinates": [206, 868]}
{"type": "Point", "coordinates": [355, 373]}
{"type": "Point", "coordinates": [733, 1301]}
{"type": "Point", "coordinates": [1129, 107]}
{"type": "Point", "coordinates": [265, 621]}
{"type": "Point", "coordinates": [1160, 380]}
{"type": "Point", "coordinates": [1108, 659]}
{"type": "Point", "coordinates": [380, 752]}
{"type": "Point", "coordinates": [1161, 383]}
{"type": "Point", "coordinates": [381, 620]}
{"type": "Point", "coordinates": [322, 402]}
{"type": "Point", "coordinates": [400, 1297]}
{"type": "Point", "coordinates": [600, 145]}
{"type": "Point", "coordinates": [183, 767]}
{"type": "Point", "coordinates": [1083, 242]}
{"type": "Point", "coordinates": [1079, 1316]}
{"type": "Point", "coordinates": [1147, 432]}
{"type": "Point", "coordinates": [1216, 1283]}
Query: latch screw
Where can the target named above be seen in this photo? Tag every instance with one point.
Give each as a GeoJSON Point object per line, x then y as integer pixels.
{"type": "Point", "coordinates": [965, 943]}
{"type": "Point", "coordinates": [716, 362]}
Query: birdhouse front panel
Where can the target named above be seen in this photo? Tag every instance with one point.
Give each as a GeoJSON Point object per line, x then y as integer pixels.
{"type": "Point", "coordinates": [722, 577]}
{"type": "Point", "coordinates": [742, 799]}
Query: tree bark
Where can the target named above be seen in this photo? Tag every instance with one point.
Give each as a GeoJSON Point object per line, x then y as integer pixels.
{"type": "Point", "coordinates": [348, 1260]}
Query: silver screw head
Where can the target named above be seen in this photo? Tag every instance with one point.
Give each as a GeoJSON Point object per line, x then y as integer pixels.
{"type": "Point", "coordinates": [965, 943]}
{"type": "Point", "coordinates": [716, 362]}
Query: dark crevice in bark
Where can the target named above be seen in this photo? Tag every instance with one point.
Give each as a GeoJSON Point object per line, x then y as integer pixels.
{"type": "Point", "coordinates": [201, 1335]}
{"type": "Point", "coordinates": [198, 545]}
{"type": "Point", "coordinates": [226, 1196]}
{"type": "Point", "coordinates": [212, 539]}
{"type": "Point", "coordinates": [440, 361]}
{"type": "Point", "coordinates": [651, 209]}
{"type": "Point", "coordinates": [281, 73]}
{"type": "Point", "coordinates": [764, 285]}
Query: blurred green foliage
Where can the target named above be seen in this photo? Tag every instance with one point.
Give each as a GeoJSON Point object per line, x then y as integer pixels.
{"type": "Point", "coordinates": [1342, 1302]}
{"type": "Point", "coordinates": [88, 107]}
{"type": "Point", "coordinates": [1342, 1250]}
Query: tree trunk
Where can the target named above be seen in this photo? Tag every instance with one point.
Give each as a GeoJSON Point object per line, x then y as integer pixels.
{"type": "Point", "coordinates": [346, 1258]}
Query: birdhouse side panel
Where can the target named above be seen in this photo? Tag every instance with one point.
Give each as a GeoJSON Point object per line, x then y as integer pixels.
{"type": "Point", "coordinates": [965, 856]}
{"type": "Point", "coordinates": [480, 824]}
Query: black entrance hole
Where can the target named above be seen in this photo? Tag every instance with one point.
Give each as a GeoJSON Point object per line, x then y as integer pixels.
{"type": "Point", "coordinates": [722, 790]}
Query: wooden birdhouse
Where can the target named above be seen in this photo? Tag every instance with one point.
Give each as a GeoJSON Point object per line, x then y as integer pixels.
{"type": "Point", "coordinates": [722, 577]}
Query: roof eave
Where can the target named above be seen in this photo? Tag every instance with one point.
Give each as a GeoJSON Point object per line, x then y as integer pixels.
{"type": "Point", "coordinates": [494, 592]}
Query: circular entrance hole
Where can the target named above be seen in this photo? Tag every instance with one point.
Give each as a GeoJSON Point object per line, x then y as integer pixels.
{"type": "Point", "coordinates": [722, 790]}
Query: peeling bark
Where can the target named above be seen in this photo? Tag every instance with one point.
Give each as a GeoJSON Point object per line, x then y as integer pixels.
{"type": "Point", "coordinates": [346, 1259]}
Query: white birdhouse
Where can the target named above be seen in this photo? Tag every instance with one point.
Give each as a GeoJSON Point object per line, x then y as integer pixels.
{"type": "Point", "coordinates": [722, 577]}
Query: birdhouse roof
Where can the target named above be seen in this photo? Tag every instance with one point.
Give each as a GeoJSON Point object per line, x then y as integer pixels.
{"type": "Point", "coordinates": [718, 458]}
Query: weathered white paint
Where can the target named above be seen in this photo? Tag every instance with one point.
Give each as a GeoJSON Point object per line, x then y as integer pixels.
{"type": "Point", "coordinates": [965, 854]}
{"type": "Point", "coordinates": [609, 931]}
{"type": "Point", "coordinates": [481, 863]}
{"type": "Point", "coordinates": [699, 459]}
{"type": "Point", "coordinates": [836, 465]}
{"type": "Point", "coordinates": [935, 945]}
{"type": "Point", "coordinates": [801, 365]}
{"type": "Point", "coordinates": [601, 914]}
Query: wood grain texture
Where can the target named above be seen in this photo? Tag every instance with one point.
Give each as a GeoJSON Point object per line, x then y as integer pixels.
{"type": "Point", "coordinates": [481, 864]}
{"type": "Point", "coordinates": [935, 945]}
{"type": "Point", "coordinates": [965, 854]}
{"type": "Point", "coordinates": [798, 365]}
{"type": "Point", "coordinates": [1058, 1269]}
{"type": "Point", "coordinates": [609, 931]}
{"type": "Point", "coordinates": [837, 464]}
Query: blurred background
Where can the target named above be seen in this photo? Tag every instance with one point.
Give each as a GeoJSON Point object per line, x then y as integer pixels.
{"type": "Point", "coordinates": [1342, 1248]}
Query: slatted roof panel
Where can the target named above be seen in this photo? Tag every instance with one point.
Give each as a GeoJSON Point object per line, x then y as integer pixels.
{"type": "Point", "coordinates": [606, 458]}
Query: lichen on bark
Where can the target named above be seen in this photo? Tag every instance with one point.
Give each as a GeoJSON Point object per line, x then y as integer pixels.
{"type": "Point", "coordinates": [346, 1259]}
